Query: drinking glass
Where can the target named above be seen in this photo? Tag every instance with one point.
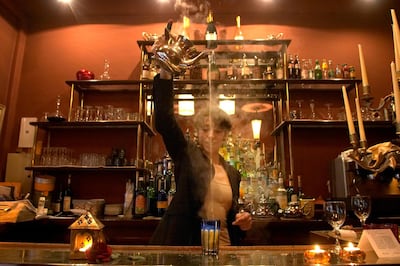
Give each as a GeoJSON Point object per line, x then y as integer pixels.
{"type": "Point", "coordinates": [329, 115]}
{"type": "Point", "coordinates": [210, 230]}
{"type": "Point", "coordinates": [361, 206]}
{"type": "Point", "coordinates": [313, 115]}
{"type": "Point", "coordinates": [335, 213]}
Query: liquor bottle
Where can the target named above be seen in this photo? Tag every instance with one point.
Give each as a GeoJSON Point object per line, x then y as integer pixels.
{"type": "Point", "coordinates": [151, 202]}
{"type": "Point", "coordinates": [310, 69]}
{"type": "Point", "coordinates": [297, 68]}
{"type": "Point", "coordinates": [338, 72]}
{"type": "Point", "coordinates": [324, 67]}
{"type": "Point", "coordinates": [58, 201]}
{"type": "Point", "coordinates": [281, 195]}
{"type": "Point", "coordinates": [140, 197]}
{"type": "Point", "coordinates": [67, 197]}
{"type": "Point", "coordinates": [300, 193]}
{"type": "Point", "coordinates": [231, 71]}
{"type": "Point", "coordinates": [162, 198]}
{"type": "Point", "coordinates": [290, 67]}
{"type": "Point", "coordinates": [244, 68]}
{"type": "Point", "coordinates": [291, 194]}
{"type": "Point", "coordinates": [146, 74]}
{"type": "Point", "coordinates": [256, 69]}
{"type": "Point", "coordinates": [211, 32]}
{"type": "Point", "coordinates": [172, 189]}
{"type": "Point", "coordinates": [317, 70]}
{"type": "Point", "coordinates": [331, 71]}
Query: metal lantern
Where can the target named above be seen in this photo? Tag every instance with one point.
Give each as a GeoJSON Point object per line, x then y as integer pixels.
{"type": "Point", "coordinates": [85, 231]}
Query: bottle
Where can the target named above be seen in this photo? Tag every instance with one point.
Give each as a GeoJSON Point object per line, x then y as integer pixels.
{"type": "Point", "coordinates": [331, 71]}
{"type": "Point", "coordinates": [172, 189]}
{"type": "Point", "coordinates": [140, 197]}
{"type": "Point", "coordinates": [244, 68]}
{"type": "Point", "coordinates": [211, 32]}
{"type": "Point", "coordinates": [300, 193]}
{"type": "Point", "coordinates": [231, 71]}
{"type": "Point", "coordinates": [162, 198]}
{"type": "Point", "coordinates": [58, 201]}
{"type": "Point", "coordinates": [256, 69]}
{"type": "Point", "coordinates": [317, 70]}
{"type": "Point", "coordinates": [151, 202]}
{"type": "Point", "coordinates": [67, 198]}
{"type": "Point", "coordinates": [290, 67]}
{"type": "Point", "coordinates": [310, 69]}
{"type": "Point", "coordinates": [281, 195]}
{"type": "Point", "coordinates": [297, 68]}
{"type": "Point", "coordinates": [338, 72]}
{"type": "Point", "coordinates": [291, 194]}
{"type": "Point", "coordinates": [325, 68]}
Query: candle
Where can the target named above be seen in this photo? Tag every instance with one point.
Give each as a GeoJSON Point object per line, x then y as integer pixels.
{"type": "Point", "coordinates": [360, 122]}
{"type": "Point", "coordinates": [349, 118]}
{"type": "Point", "coordinates": [352, 254]}
{"type": "Point", "coordinates": [396, 92]}
{"type": "Point", "coordinates": [363, 68]}
{"type": "Point", "coordinates": [396, 38]}
{"type": "Point", "coordinates": [317, 256]}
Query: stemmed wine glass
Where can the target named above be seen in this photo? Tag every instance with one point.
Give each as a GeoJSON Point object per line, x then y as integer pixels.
{"type": "Point", "coordinates": [361, 206]}
{"type": "Point", "coordinates": [335, 213]}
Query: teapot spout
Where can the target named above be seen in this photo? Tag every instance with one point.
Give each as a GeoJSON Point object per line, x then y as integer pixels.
{"type": "Point", "coordinates": [192, 60]}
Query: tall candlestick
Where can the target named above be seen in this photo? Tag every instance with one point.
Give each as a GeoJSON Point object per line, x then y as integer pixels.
{"type": "Point", "coordinates": [396, 92]}
{"type": "Point", "coordinates": [363, 68]}
{"type": "Point", "coordinates": [396, 38]}
{"type": "Point", "coordinates": [349, 118]}
{"type": "Point", "coordinates": [360, 121]}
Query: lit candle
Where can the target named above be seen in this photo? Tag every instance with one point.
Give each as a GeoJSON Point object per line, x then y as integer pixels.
{"type": "Point", "coordinates": [349, 118]}
{"type": "Point", "coordinates": [360, 122]}
{"type": "Point", "coordinates": [317, 256]}
{"type": "Point", "coordinates": [363, 68]}
{"type": "Point", "coordinates": [396, 92]}
{"type": "Point", "coordinates": [352, 254]}
{"type": "Point", "coordinates": [396, 38]}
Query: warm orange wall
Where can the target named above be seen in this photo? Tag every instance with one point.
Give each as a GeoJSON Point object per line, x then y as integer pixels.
{"type": "Point", "coordinates": [53, 56]}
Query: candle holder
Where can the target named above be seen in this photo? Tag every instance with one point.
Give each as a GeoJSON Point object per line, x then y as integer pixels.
{"type": "Point", "coordinates": [352, 254]}
{"type": "Point", "coordinates": [316, 256]}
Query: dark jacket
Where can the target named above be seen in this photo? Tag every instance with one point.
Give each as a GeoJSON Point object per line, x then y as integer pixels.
{"type": "Point", "coordinates": [180, 224]}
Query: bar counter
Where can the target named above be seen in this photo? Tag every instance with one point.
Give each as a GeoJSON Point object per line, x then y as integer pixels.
{"type": "Point", "coordinates": [13, 253]}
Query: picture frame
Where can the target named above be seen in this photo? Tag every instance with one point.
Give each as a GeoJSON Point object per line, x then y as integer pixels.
{"type": "Point", "coordinates": [2, 113]}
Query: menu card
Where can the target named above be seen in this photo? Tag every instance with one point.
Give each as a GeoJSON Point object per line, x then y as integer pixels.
{"type": "Point", "coordinates": [380, 241]}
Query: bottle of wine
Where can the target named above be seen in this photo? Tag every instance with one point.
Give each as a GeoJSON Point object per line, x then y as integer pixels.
{"type": "Point", "coordinates": [151, 202]}
{"type": "Point", "coordinates": [162, 198]}
{"type": "Point", "coordinates": [211, 34]}
{"type": "Point", "coordinates": [58, 201]}
{"type": "Point", "coordinates": [317, 70]}
{"type": "Point", "coordinates": [291, 195]}
{"type": "Point", "coordinates": [140, 198]}
{"type": "Point", "coordinates": [67, 197]}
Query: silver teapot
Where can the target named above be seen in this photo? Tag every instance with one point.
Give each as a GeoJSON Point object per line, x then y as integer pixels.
{"type": "Point", "coordinates": [175, 52]}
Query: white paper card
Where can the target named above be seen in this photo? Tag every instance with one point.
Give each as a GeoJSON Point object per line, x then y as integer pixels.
{"type": "Point", "coordinates": [381, 241]}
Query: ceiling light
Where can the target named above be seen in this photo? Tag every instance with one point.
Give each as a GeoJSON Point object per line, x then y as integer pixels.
{"type": "Point", "coordinates": [65, 1]}
{"type": "Point", "coordinates": [185, 104]}
{"type": "Point", "coordinates": [256, 126]}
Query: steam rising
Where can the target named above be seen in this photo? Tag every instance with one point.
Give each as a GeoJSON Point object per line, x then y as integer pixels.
{"type": "Point", "coordinates": [196, 10]}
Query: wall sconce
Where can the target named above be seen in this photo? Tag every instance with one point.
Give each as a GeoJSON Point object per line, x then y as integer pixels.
{"type": "Point", "coordinates": [256, 126]}
{"type": "Point", "coordinates": [85, 232]}
{"type": "Point", "coordinates": [227, 103]}
{"type": "Point", "coordinates": [185, 104]}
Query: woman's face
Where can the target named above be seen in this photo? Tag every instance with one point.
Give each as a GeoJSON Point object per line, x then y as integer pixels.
{"type": "Point", "coordinates": [211, 137]}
